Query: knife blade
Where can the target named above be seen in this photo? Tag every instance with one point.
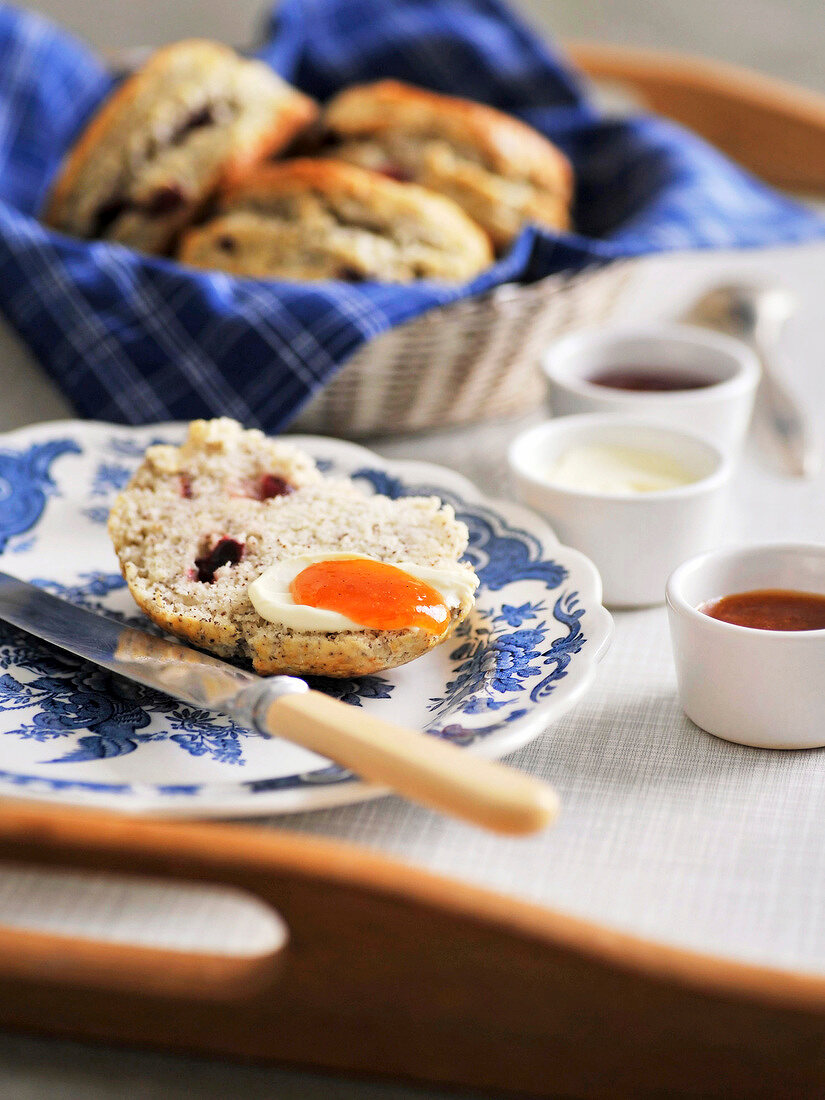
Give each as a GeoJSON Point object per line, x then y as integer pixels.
{"type": "Point", "coordinates": [175, 669]}
{"type": "Point", "coordinates": [421, 767]}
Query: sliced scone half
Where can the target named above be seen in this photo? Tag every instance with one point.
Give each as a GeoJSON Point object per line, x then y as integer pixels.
{"type": "Point", "coordinates": [308, 219]}
{"type": "Point", "coordinates": [501, 171]}
{"type": "Point", "coordinates": [194, 116]}
{"type": "Point", "coordinates": [237, 544]}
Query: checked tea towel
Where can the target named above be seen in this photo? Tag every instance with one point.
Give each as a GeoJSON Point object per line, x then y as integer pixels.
{"type": "Point", "coordinates": [135, 339]}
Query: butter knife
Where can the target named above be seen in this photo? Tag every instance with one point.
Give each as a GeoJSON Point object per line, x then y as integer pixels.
{"type": "Point", "coordinates": [419, 766]}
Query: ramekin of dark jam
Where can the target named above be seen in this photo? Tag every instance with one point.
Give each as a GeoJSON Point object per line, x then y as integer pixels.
{"type": "Point", "coordinates": [649, 379]}
{"type": "Point", "coordinates": [678, 376]}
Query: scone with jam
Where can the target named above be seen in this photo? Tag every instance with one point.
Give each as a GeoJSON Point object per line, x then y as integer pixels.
{"type": "Point", "coordinates": [194, 116]}
{"type": "Point", "coordinates": [311, 219]}
{"type": "Point", "coordinates": [501, 171]}
{"type": "Point", "coordinates": [236, 543]}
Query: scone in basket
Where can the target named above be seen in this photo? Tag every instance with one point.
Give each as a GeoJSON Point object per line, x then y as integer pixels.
{"type": "Point", "coordinates": [472, 360]}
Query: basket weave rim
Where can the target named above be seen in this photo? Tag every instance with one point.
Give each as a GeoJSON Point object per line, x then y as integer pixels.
{"type": "Point", "coordinates": [512, 291]}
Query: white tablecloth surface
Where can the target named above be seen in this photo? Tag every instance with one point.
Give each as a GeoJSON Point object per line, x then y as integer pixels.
{"type": "Point", "coordinates": [665, 830]}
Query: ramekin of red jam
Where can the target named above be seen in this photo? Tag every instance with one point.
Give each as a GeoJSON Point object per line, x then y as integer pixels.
{"type": "Point", "coordinates": [748, 632]}
{"type": "Point", "coordinates": [770, 609]}
{"type": "Point", "coordinates": [680, 376]}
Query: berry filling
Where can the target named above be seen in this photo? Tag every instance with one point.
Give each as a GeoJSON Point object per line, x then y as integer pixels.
{"type": "Point", "coordinates": [224, 552]}
{"type": "Point", "coordinates": [351, 274]}
{"type": "Point", "coordinates": [186, 486]}
{"type": "Point", "coordinates": [164, 201]}
{"type": "Point", "coordinates": [270, 485]}
{"type": "Point", "coordinates": [109, 213]}
{"type": "Point", "coordinates": [395, 171]}
{"type": "Point", "coordinates": [203, 117]}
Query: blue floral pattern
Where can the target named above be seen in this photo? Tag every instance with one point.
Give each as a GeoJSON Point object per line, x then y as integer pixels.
{"type": "Point", "coordinates": [25, 483]}
{"type": "Point", "coordinates": [112, 715]}
{"type": "Point", "coordinates": [353, 691]}
{"type": "Point", "coordinates": [464, 736]}
{"type": "Point", "coordinates": [126, 448]}
{"type": "Point", "coordinates": [109, 477]}
{"type": "Point", "coordinates": [98, 513]}
{"type": "Point", "coordinates": [495, 663]}
{"type": "Point", "coordinates": [511, 654]}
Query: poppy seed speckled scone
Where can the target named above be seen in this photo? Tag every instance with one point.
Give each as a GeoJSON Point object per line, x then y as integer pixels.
{"type": "Point", "coordinates": [322, 219]}
{"type": "Point", "coordinates": [501, 171]}
{"type": "Point", "coordinates": [199, 523]}
{"type": "Point", "coordinates": [194, 116]}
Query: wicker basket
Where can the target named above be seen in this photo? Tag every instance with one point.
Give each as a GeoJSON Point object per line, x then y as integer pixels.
{"type": "Point", "coordinates": [473, 360]}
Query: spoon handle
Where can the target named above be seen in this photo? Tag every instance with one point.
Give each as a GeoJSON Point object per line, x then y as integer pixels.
{"type": "Point", "coordinates": [792, 429]}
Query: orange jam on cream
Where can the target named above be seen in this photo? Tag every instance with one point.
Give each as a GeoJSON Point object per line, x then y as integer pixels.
{"type": "Point", "coordinates": [371, 593]}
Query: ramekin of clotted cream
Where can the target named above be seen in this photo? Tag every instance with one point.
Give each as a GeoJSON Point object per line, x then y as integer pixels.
{"type": "Point", "coordinates": [618, 469]}
{"type": "Point", "coordinates": [635, 497]}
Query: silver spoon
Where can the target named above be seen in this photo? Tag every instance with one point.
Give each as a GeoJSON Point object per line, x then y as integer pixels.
{"type": "Point", "coordinates": [757, 315]}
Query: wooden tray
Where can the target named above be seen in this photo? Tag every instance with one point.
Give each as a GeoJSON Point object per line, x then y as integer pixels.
{"type": "Point", "coordinates": [395, 972]}
{"type": "Point", "coordinates": [775, 129]}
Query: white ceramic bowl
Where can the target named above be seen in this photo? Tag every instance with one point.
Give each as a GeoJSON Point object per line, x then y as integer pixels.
{"type": "Point", "coordinates": [755, 687]}
{"type": "Point", "coordinates": [719, 412]}
{"type": "Point", "coordinates": [634, 540]}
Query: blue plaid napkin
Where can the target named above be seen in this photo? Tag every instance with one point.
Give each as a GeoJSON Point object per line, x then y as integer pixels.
{"type": "Point", "coordinates": [133, 338]}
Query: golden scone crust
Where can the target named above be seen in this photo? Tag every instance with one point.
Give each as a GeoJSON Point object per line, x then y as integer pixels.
{"type": "Point", "coordinates": [500, 170]}
{"type": "Point", "coordinates": [510, 146]}
{"type": "Point", "coordinates": [183, 501]}
{"type": "Point", "coordinates": [294, 653]}
{"type": "Point", "coordinates": [194, 116]}
{"type": "Point", "coordinates": [323, 219]}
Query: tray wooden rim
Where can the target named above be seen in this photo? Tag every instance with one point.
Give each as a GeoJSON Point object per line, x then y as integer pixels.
{"type": "Point", "coordinates": [227, 853]}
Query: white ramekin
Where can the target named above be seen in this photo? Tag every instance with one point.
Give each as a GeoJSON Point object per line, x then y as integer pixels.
{"type": "Point", "coordinates": [720, 413]}
{"type": "Point", "coordinates": [756, 687]}
{"type": "Point", "coordinates": [636, 540]}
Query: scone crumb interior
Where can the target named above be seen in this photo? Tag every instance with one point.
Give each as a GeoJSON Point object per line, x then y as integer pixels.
{"type": "Point", "coordinates": [192, 530]}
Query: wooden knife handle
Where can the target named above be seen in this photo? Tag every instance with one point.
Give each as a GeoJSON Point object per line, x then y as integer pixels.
{"type": "Point", "coordinates": [417, 765]}
{"type": "Point", "coordinates": [774, 128]}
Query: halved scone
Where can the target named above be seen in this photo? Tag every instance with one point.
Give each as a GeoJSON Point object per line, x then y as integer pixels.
{"type": "Point", "coordinates": [194, 116]}
{"type": "Point", "coordinates": [311, 219]}
{"type": "Point", "coordinates": [501, 171]}
{"type": "Point", "coordinates": [200, 523]}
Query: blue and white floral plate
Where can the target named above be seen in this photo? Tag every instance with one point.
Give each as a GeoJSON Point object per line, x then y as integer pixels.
{"type": "Point", "coordinates": [71, 732]}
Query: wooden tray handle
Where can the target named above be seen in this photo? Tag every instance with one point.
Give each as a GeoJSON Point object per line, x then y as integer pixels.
{"type": "Point", "coordinates": [30, 956]}
{"type": "Point", "coordinates": [775, 129]}
{"type": "Point", "coordinates": [395, 972]}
